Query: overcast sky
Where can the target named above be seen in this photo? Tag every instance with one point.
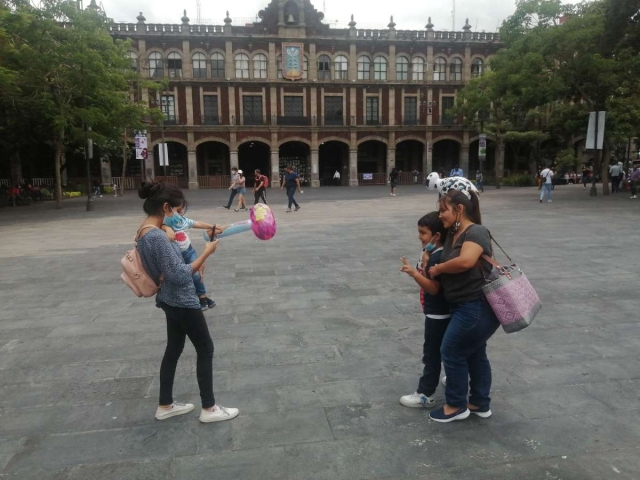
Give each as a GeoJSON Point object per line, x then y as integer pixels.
{"type": "Point", "coordinates": [483, 14]}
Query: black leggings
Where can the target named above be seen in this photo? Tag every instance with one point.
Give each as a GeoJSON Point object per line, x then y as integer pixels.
{"type": "Point", "coordinates": [182, 322]}
{"type": "Point", "coordinates": [260, 195]}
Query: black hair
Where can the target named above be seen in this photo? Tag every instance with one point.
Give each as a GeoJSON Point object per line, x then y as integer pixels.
{"type": "Point", "coordinates": [234, 168]}
{"type": "Point", "coordinates": [156, 194]}
{"type": "Point", "coordinates": [434, 224]}
{"type": "Point", "coordinates": [471, 205]}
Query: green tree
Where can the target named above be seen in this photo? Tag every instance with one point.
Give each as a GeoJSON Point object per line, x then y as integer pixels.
{"type": "Point", "coordinates": [71, 75]}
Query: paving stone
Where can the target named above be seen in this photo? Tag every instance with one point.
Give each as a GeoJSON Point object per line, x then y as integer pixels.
{"type": "Point", "coordinates": [280, 428]}
{"type": "Point", "coordinates": [316, 338]}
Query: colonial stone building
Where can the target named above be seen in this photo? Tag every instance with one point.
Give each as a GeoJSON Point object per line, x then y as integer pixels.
{"type": "Point", "coordinates": [358, 101]}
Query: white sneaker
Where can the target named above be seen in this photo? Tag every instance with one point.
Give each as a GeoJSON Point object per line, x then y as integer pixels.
{"type": "Point", "coordinates": [444, 381]}
{"type": "Point", "coordinates": [549, 201]}
{"type": "Point", "coordinates": [176, 409]}
{"type": "Point", "coordinates": [417, 400]}
{"type": "Point", "coordinates": [219, 414]}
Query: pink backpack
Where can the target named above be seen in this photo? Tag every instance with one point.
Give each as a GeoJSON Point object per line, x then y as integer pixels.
{"type": "Point", "coordinates": [134, 274]}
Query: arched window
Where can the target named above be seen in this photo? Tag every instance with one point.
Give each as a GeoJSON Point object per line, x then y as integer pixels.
{"type": "Point", "coordinates": [341, 68]}
{"type": "Point", "coordinates": [379, 68]}
{"type": "Point", "coordinates": [217, 65]}
{"type": "Point", "coordinates": [324, 67]}
{"type": "Point", "coordinates": [402, 68]}
{"type": "Point", "coordinates": [455, 70]}
{"type": "Point", "coordinates": [242, 65]}
{"type": "Point", "coordinates": [259, 66]}
{"type": "Point", "coordinates": [156, 65]}
{"type": "Point", "coordinates": [199, 62]}
{"type": "Point", "coordinates": [417, 69]}
{"type": "Point", "coordinates": [364, 68]}
{"type": "Point", "coordinates": [477, 67]}
{"type": "Point", "coordinates": [174, 64]}
{"type": "Point", "coordinates": [305, 69]}
{"type": "Point", "coordinates": [133, 60]}
{"type": "Point", "coordinates": [440, 70]}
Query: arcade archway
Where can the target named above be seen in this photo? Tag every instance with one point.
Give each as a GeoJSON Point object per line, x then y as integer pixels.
{"type": "Point", "coordinates": [332, 156]}
{"type": "Point", "coordinates": [297, 155]}
{"type": "Point", "coordinates": [254, 155]}
{"type": "Point", "coordinates": [446, 155]}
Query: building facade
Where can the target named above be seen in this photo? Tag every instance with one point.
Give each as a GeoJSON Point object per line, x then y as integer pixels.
{"type": "Point", "coordinates": [356, 101]}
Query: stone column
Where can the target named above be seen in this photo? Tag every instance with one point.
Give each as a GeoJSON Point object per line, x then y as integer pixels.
{"type": "Point", "coordinates": [313, 62]}
{"type": "Point", "coordinates": [275, 168]}
{"type": "Point", "coordinates": [392, 106]}
{"type": "Point", "coordinates": [464, 155]}
{"type": "Point", "coordinates": [391, 159]}
{"type": "Point", "coordinates": [149, 164]}
{"type": "Point", "coordinates": [353, 168]}
{"type": "Point", "coordinates": [105, 171]}
{"type": "Point", "coordinates": [233, 159]}
{"type": "Point", "coordinates": [232, 107]}
{"type": "Point", "coordinates": [315, 168]}
{"type": "Point", "coordinates": [193, 170]}
{"type": "Point", "coordinates": [189, 102]}
{"type": "Point", "coordinates": [429, 100]}
{"type": "Point", "coordinates": [353, 62]}
{"type": "Point", "coordinates": [466, 73]}
{"type": "Point", "coordinates": [353, 110]}
{"type": "Point", "coordinates": [228, 60]}
{"type": "Point", "coordinates": [429, 64]}
{"type": "Point", "coordinates": [187, 71]}
{"type": "Point", "coordinates": [391, 74]}
{"type": "Point", "coordinates": [428, 161]}
{"type": "Point", "coordinates": [272, 67]}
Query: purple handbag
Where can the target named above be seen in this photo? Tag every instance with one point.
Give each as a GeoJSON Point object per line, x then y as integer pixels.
{"type": "Point", "coordinates": [511, 295]}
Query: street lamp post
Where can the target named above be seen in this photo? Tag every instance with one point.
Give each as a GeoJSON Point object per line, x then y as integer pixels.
{"type": "Point", "coordinates": [482, 117]}
{"type": "Point", "coordinates": [88, 155]}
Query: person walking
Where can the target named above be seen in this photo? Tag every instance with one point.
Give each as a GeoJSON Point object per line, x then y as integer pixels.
{"type": "Point", "coordinates": [178, 299]}
{"type": "Point", "coordinates": [242, 191]}
{"type": "Point", "coordinates": [586, 174]}
{"type": "Point", "coordinates": [615, 172]}
{"type": "Point", "coordinates": [634, 179]}
{"type": "Point", "coordinates": [393, 181]}
{"type": "Point", "coordinates": [233, 187]}
{"type": "Point", "coordinates": [480, 181]}
{"type": "Point", "coordinates": [260, 188]}
{"type": "Point", "coordinates": [291, 183]}
{"type": "Point", "coordinates": [415, 176]}
{"type": "Point", "coordinates": [462, 275]}
{"type": "Point", "coordinates": [336, 178]}
{"type": "Point", "coordinates": [546, 176]}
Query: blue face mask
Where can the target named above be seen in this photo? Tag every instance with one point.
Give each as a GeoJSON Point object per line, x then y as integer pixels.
{"type": "Point", "coordinates": [175, 219]}
{"type": "Point", "coordinates": [430, 247]}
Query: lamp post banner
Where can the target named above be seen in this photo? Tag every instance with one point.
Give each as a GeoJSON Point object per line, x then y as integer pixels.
{"type": "Point", "coordinates": [482, 145]}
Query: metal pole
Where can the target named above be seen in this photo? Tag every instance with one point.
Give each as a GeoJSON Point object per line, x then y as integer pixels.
{"type": "Point", "coordinates": [594, 191]}
{"type": "Point", "coordinates": [163, 156]}
{"type": "Point", "coordinates": [88, 148]}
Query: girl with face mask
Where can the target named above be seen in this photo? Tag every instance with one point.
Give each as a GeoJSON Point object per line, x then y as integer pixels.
{"type": "Point", "coordinates": [176, 226]}
{"type": "Point", "coordinates": [432, 234]}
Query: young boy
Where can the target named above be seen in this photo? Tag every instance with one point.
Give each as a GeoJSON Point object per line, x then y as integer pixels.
{"type": "Point", "coordinates": [176, 227]}
{"type": "Point", "coordinates": [432, 234]}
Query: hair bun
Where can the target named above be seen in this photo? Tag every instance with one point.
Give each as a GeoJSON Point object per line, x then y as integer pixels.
{"type": "Point", "coordinates": [148, 189]}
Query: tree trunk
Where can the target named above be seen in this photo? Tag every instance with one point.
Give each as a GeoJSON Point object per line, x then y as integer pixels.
{"type": "Point", "coordinates": [499, 157]}
{"type": "Point", "coordinates": [15, 168]}
{"type": "Point", "coordinates": [124, 161]}
{"type": "Point", "coordinates": [58, 187]}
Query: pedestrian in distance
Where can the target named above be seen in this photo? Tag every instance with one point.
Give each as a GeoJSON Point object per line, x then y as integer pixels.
{"type": "Point", "coordinates": [260, 188]}
{"type": "Point", "coordinates": [291, 183]}
{"type": "Point", "coordinates": [634, 179]}
{"type": "Point", "coordinates": [336, 178]}
{"type": "Point", "coordinates": [431, 233]}
{"type": "Point", "coordinates": [480, 181]}
{"type": "Point", "coordinates": [615, 171]}
{"type": "Point", "coordinates": [456, 172]}
{"type": "Point", "coordinates": [233, 187]}
{"type": "Point", "coordinates": [393, 181]}
{"type": "Point", "coordinates": [177, 297]}
{"type": "Point", "coordinates": [546, 177]}
{"type": "Point", "coordinates": [242, 191]}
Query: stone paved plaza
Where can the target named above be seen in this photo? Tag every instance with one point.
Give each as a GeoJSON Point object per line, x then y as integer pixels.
{"type": "Point", "coordinates": [316, 337]}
